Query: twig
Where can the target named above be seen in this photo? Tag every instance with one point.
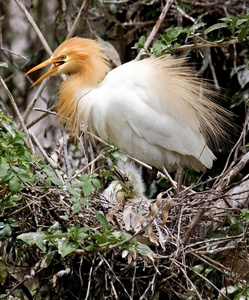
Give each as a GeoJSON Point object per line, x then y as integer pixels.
{"type": "Point", "coordinates": [242, 136]}
{"type": "Point", "coordinates": [230, 174]}
{"type": "Point", "coordinates": [12, 52]}
{"type": "Point", "coordinates": [205, 45]}
{"type": "Point", "coordinates": [183, 13]}
{"type": "Point", "coordinates": [35, 27]}
{"type": "Point", "coordinates": [83, 169]}
{"type": "Point", "coordinates": [36, 97]}
{"type": "Point", "coordinates": [194, 222]}
{"type": "Point", "coordinates": [155, 28]}
{"type": "Point", "coordinates": [45, 114]}
{"type": "Point", "coordinates": [17, 113]}
{"type": "Point", "coordinates": [83, 8]}
{"type": "Point", "coordinates": [222, 269]}
{"type": "Point", "coordinates": [67, 163]}
{"type": "Point", "coordinates": [43, 152]}
{"type": "Point", "coordinates": [89, 279]}
{"type": "Point", "coordinates": [169, 178]}
{"type": "Point", "coordinates": [209, 282]}
{"type": "Point", "coordinates": [179, 265]}
{"type": "Point", "coordinates": [111, 269]}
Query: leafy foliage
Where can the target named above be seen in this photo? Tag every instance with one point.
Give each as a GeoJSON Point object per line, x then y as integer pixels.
{"type": "Point", "coordinates": [238, 27]}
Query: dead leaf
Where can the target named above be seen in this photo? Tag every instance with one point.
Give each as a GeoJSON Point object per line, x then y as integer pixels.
{"type": "Point", "coordinates": [151, 255]}
{"type": "Point", "coordinates": [124, 253]}
{"type": "Point", "coordinates": [126, 217]}
{"type": "Point", "coordinates": [132, 219]}
{"type": "Point", "coordinates": [129, 259]}
{"type": "Point", "coordinates": [112, 212]}
{"type": "Point", "coordinates": [156, 205]}
{"type": "Point", "coordinates": [165, 211]}
{"type": "Point", "coordinates": [151, 235]}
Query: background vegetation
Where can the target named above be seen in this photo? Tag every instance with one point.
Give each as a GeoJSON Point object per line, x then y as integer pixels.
{"type": "Point", "coordinates": [58, 239]}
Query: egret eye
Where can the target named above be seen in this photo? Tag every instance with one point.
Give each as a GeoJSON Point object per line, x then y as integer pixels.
{"type": "Point", "coordinates": [63, 57]}
{"type": "Point", "coordinates": [126, 179]}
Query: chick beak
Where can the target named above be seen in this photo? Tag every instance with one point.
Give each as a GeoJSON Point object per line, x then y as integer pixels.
{"type": "Point", "coordinates": [57, 63]}
{"type": "Point", "coordinates": [119, 174]}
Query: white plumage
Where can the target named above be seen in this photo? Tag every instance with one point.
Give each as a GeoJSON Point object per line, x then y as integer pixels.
{"type": "Point", "coordinates": [153, 110]}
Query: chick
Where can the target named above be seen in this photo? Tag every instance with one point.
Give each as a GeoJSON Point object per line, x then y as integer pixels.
{"type": "Point", "coordinates": [128, 188]}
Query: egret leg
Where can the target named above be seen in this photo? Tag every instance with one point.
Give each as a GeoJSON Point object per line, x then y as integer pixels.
{"type": "Point", "coordinates": [179, 178]}
{"type": "Point", "coordinates": [151, 176]}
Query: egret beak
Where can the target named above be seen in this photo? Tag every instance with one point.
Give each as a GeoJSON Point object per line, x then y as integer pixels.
{"type": "Point", "coordinates": [57, 63]}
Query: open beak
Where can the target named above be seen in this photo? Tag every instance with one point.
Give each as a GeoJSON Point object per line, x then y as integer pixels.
{"type": "Point", "coordinates": [57, 63]}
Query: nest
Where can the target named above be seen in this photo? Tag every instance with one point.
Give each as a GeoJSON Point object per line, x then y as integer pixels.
{"type": "Point", "coordinates": [183, 261]}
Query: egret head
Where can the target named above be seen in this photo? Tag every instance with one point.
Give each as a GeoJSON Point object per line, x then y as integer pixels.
{"type": "Point", "coordinates": [76, 56]}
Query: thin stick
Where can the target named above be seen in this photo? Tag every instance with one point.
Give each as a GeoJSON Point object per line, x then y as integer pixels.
{"type": "Point", "coordinates": [83, 169]}
{"type": "Point", "coordinates": [18, 114]}
{"type": "Point", "coordinates": [209, 282]}
{"type": "Point", "coordinates": [115, 276]}
{"type": "Point", "coordinates": [89, 279]}
{"type": "Point", "coordinates": [13, 53]}
{"type": "Point", "coordinates": [42, 116]}
{"type": "Point", "coordinates": [43, 152]}
{"type": "Point", "coordinates": [168, 177]}
{"type": "Point", "coordinates": [83, 8]}
{"type": "Point", "coordinates": [156, 28]}
{"type": "Point", "coordinates": [206, 45]}
{"type": "Point", "coordinates": [35, 27]}
{"type": "Point", "coordinates": [180, 266]}
{"type": "Point", "coordinates": [33, 102]}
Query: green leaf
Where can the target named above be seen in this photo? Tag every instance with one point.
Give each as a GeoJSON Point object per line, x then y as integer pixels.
{"type": "Point", "coordinates": [56, 180]}
{"type": "Point", "coordinates": [3, 172]}
{"type": "Point", "coordinates": [229, 19]}
{"type": "Point", "coordinates": [159, 48]}
{"type": "Point", "coordinates": [140, 43]}
{"type": "Point", "coordinates": [31, 238]}
{"type": "Point", "coordinates": [15, 184]}
{"type": "Point", "coordinates": [197, 25]}
{"type": "Point", "coordinates": [232, 220]}
{"type": "Point", "coordinates": [3, 272]}
{"type": "Point", "coordinates": [76, 207]}
{"type": "Point", "coordinates": [84, 177]}
{"type": "Point", "coordinates": [241, 21]}
{"type": "Point", "coordinates": [54, 229]}
{"type": "Point", "coordinates": [198, 268]}
{"type": "Point", "coordinates": [84, 201]}
{"type": "Point", "coordinates": [245, 213]}
{"type": "Point", "coordinates": [48, 258]}
{"type": "Point", "coordinates": [4, 65]}
{"type": "Point", "coordinates": [243, 32]}
{"type": "Point", "coordinates": [102, 220]}
{"type": "Point", "coordinates": [172, 34]}
{"type": "Point", "coordinates": [96, 183]}
{"type": "Point", "coordinates": [5, 232]}
{"type": "Point", "coordinates": [88, 188]}
{"type": "Point", "coordinates": [238, 296]}
{"type": "Point", "coordinates": [217, 234]}
{"type": "Point", "coordinates": [216, 27]}
{"type": "Point", "coordinates": [66, 247]}
{"type": "Point", "coordinates": [25, 177]}
{"type": "Point", "coordinates": [143, 249]}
